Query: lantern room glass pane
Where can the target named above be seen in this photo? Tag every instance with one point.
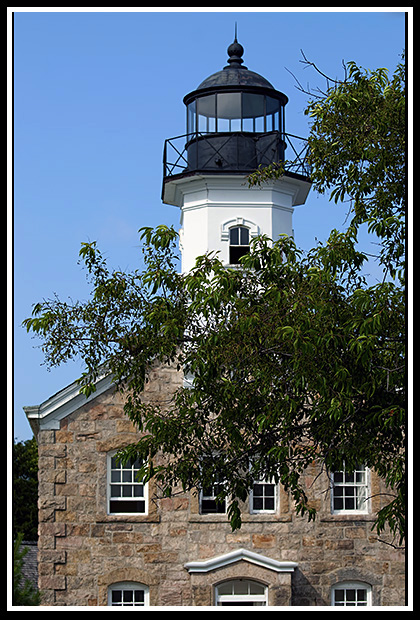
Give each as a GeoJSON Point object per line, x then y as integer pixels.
{"type": "Point", "coordinates": [273, 113]}
{"type": "Point", "coordinates": [191, 128]}
{"type": "Point", "coordinates": [253, 112]}
{"type": "Point", "coordinates": [206, 109]}
{"type": "Point", "coordinates": [229, 112]}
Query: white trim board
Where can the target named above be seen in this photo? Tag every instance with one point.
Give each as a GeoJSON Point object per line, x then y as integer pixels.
{"type": "Point", "coordinates": [219, 561]}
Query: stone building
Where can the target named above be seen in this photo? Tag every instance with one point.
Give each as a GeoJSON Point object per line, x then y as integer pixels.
{"type": "Point", "coordinates": [104, 540]}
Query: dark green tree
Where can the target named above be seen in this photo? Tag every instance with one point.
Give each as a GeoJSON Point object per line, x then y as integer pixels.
{"type": "Point", "coordinates": [25, 489]}
{"type": "Point", "coordinates": [293, 357]}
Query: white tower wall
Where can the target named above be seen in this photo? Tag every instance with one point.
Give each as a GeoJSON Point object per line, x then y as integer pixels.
{"type": "Point", "coordinates": [211, 205]}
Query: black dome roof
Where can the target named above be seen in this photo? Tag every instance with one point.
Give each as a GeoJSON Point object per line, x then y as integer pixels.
{"type": "Point", "coordinates": [233, 76]}
{"type": "Point", "coordinates": [235, 73]}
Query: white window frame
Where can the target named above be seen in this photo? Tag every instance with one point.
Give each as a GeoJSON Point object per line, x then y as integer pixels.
{"type": "Point", "coordinates": [348, 586]}
{"type": "Point", "coordinates": [211, 497]}
{"type": "Point", "coordinates": [263, 483]}
{"type": "Point", "coordinates": [234, 598]}
{"type": "Point", "coordinates": [358, 488]}
{"type": "Point", "coordinates": [242, 248]}
{"type": "Point", "coordinates": [128, 586]}
{"type": "Point", "coordinates": [132, 483]}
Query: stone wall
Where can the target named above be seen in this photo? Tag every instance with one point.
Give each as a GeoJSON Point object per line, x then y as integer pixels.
{"type": "Point", "coordinates": [83, 550]}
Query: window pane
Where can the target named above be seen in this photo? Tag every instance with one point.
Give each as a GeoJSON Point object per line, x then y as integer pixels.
{"type": "Point", "coordinates": [248, 124]}
{"type": "Point", "coordinates": [127, 491]}
{"type": "Point", "coordinates": [269, 490]}
{"type": "Point", "coordinates": [139, 596]}
{"type": "Point", "coordinates": [210, 506]}
{"type": "Point", "coordinates": [229, 105]}
{"type": "Point", "coordinates": [239, 235]}
{"type": "Point", "coordinates": [225, 588]}
{"type": "Point", "coordinates": [349, 503]}
{"type": "Point", "coordinates": [129, 507]}
{"type": "Point", "coordinates": [115, 476]}
{"type": "Point", "coordinates": [269, 503]}
{"type": "Point", "coordinates": [256, 588]}
{"type": "Point", "coordinates": [116, 596]}
{"type": "Point", "coordinates": [244, 236]}
{"type": "Point", "coordinates": [360, 477]}
{"type": "Point", "coordinates": [229, 112]}
{"type": "Point", "coordinates": [191, 128]}
{"type": "Point", "coordinates": [253, 105]}
{"type": "Point", "coordinates": [115, 490]}
{"type": "Point", "coordinates": [272, 113]}
{"type": "Point", "coordinates": [259, 124]}
{"type": "Point", "coordinates": [240, 587]}
{"type": "Point", "coordinates": [127, 476]}
{"type": "Point", "coordinates": [127, 596]}
{"type": "Point", "coordinates": [234, 236]}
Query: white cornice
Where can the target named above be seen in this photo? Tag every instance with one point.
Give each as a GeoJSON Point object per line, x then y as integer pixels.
{"type": "Point", "coordinates": [219, 561]}
{"type": "Point", "coordinates": [48, 414]}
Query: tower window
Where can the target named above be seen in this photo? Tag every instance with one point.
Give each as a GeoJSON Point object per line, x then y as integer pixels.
{"type": "Point", "coordinates": [238, 244]}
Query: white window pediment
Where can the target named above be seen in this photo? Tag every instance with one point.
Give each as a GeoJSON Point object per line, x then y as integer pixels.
{"type": "Point", "coordinates": [205, 566]}
{"type": "Point", "coordinates": [254, 230]}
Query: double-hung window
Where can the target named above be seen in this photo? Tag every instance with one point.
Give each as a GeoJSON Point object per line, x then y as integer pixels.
{"type": "Point", "coordinates": [350, 490]}
{"type": "Point", "coordinates": [263, 497]}
{"type": "Point", "coordinates": [126, 493]}
{"type": "Point", "coordinates": [238, 243]}
{"type": "Point", "coordinates": [209, 504]}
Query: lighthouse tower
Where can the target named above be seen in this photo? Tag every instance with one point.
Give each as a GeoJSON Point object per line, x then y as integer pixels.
{"type": "Point", "coordinates": [235, 123]}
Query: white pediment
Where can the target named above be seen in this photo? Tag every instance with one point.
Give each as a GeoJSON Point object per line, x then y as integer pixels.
{"type": "Point", "coordinates": [49, 414]}
{"type": "Point", "coordinates": [204, 566]}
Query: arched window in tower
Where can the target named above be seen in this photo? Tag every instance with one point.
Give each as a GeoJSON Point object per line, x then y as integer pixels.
{"type": "Point", "coordinates": [238, 243]}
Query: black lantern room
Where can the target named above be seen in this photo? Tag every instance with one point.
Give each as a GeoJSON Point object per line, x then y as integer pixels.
{"type": "Point", "coordinates": [235, 119]}
{"type": "Point", "coordinates": [235, 123]}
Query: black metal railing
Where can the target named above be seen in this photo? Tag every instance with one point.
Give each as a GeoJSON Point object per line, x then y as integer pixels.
{"type": "Point", "coordinates": [235, 151]}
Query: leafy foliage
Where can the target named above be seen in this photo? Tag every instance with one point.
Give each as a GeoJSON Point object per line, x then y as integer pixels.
{"type": "Point", "coordinates": [25, 489]}
{"type": "Point", "coordinates": [293, 357]}
{"type": "Point", "coordinates": [357, 147]}
{"type": "Point", "coordinates": [293, 360]}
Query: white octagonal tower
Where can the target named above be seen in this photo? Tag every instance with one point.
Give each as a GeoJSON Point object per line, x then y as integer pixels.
{"type": "Point", "coordinates": [235, 123]}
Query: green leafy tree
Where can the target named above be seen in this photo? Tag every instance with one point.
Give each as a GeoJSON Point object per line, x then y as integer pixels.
{"type": "Point", "coordinates": [357, 148]}
{"type": "Point", "coordinates": [293, 356]}
{"type": "Point", "coordinates": [25, 489]}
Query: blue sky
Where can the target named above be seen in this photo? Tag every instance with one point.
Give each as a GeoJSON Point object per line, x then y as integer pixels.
{"type": "Point", "coordinates": [95, 96]}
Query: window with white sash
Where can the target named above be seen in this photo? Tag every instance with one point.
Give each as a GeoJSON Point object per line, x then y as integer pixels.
{"type": "Point", "coordinates": [351, 594]}
{"type": "Point", "coordinates": [241, 592]}
{"type": "Point", "coordinates": [350, 490]}
{"type": "Point", "coordinates": [263, 497]}
{"type": "Point", "coordinates": [126, 493]}
{"type": "Point", "coordinates": [128, 594]}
